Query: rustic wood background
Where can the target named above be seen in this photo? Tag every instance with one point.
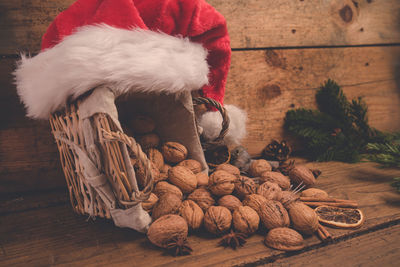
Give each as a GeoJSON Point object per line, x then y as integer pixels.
{"type": "Point", "coordinates": [282, 52]}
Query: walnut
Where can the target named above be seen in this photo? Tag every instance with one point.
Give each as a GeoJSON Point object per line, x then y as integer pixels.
{"type": "Point", "coordinates": [202, 197]}
{"type": "Point", "coordinates": [192, 165]}
{"type": "Point", "coordinates": [217, 220]}
{"type": "Point", "coordinates": [255, 201]}
{"type": "Point", "coordinates": [257, 167]}
{"type": "Point", "coordinates": [269, 190]}
{"type": "Point", "coordinates": [244, 186]}
{"type": "Point", "coordinates": [287, 198]}
{"type": "Point", "coordinates": [230, 202]}
{"type": "Point", "coordinates": [174, 152]}
{"type": "Point", "coordinates": [164, 187]}
{"type": "Point", "coordinates": [245, 220]}
{"type": "Point", "coordinates": [192, 213]}
{"type": "Point", "coordinates": [284, 238]}
{"type": "Point", "coordinates": [300, 174]}
{"type": "Point", "coordinates": [274, 215]}
{"type": "Point", "coordinates": [183, 178]}
{"type": "Point", "coordinates": [314, 192]}
{"type": "Point", "coordinates": [140, 174]}
{"type": "Point", "coordinates": [275, 177]}
{"type": "Point", "coordinates": [150, 140]}
{"type": "Point", "coordinates": [143, 124]}
{"type": "Point", "coordinates": [164, 172]}
{"type": "Point", "coordinates": [229, 168]}
{"type": "Point", "coordinates": [166, 204]}
{"type": "Point", "coordinates": [148, 204]}
{"type": "Point", "coordinates": [156, 157]}
{"type": "Point", "coordinates": [167, 228]}
{"type": "Point", "coordinates": [202, 179]}
{"type": "Point", "coordinates": [304, 218]}
{"type": "Point", "coordinates": [221, 183]}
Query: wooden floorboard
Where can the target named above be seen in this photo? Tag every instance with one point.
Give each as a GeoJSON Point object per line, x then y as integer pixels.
{"type": "Point", "coordinates": [379, 248]}
{"type": "Point", "coordinates": [251, 23]}
{"type": "Point", "coordinates": [54, 235]}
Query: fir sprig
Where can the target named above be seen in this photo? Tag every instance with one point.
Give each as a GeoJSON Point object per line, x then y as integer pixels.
{"type": "Point", "coordinates": [338, 130]}
{"type": "Point", "coordinates": [387, 154]}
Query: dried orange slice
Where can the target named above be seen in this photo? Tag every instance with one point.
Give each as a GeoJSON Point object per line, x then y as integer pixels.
{"type": "Point", "coordinates": [340, 217]}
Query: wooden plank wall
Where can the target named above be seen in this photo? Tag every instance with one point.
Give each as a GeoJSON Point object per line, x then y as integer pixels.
{"type": "Point", "coordinates": [282, 51]}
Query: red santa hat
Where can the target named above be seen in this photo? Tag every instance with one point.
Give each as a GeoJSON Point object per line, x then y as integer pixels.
{"type": "Point", "coordinates": [162, 46]}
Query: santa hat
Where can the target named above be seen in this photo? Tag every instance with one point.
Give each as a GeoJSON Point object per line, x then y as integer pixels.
{"type": "Point", "coordinates": [137, 46]}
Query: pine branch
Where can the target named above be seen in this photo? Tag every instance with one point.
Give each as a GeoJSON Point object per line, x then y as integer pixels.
{"type": "Point", "coordinates": [332, 101]}
{"type": "Point", "coordinates": [396, 183]}
{"type": "Point", "coordinates": [339, 130]}
{"type": "Point", "coordinates": [387, 154]}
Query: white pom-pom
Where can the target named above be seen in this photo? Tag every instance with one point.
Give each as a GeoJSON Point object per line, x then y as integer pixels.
{"type": "Point", "coordinates": [211, 122]}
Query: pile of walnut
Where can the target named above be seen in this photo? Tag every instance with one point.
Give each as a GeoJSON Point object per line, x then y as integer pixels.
{"type": "Point", "coordinates": [225, 203]}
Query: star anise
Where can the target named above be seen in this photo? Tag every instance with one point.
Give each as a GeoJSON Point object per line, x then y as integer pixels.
{"type": "Point", "coordinates": [179, 246]}
{"type": "Point", "coordinates": [316, 173]}
{"type": "Point", "coordinates": [279, 151]}
{"type": "Point", "coordinates": [233, 240]}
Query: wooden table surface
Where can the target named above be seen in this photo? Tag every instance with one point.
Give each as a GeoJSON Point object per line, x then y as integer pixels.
{"type": "Point", "coordinates": [41, 229]}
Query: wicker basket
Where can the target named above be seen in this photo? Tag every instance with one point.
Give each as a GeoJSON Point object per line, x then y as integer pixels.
{"type": "Point", "coordinates": [108, 149]}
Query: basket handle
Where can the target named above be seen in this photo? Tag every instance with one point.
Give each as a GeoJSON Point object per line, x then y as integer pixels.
{"type": "Point", "coordinates": [137, 195]}
{"type": "Point", "coordinates": [225, 119]}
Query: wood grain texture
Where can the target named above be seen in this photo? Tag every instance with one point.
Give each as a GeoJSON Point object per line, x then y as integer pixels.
{"type": "Point", "coordinates": [251, 24]}
{"type": "Point", "coordinates": [18, 202]}
{"type": "Point", "coordinates": [260, 23]}
{"type": "Point", "coordinates": [380, 248]}
{"type": "Point", "coordinates": [55, 235]}
{"type": "Point", "coordinates": [28, 155]}
{"type": "Point", "coordinates": [267, 83]}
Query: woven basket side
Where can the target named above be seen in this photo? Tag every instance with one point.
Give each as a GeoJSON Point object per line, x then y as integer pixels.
{"type": "Point", "coordinates": [68, 124]}
{"type": "Point", "coordinates": [117, 150]}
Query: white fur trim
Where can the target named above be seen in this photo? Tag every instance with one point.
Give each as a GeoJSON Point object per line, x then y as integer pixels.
{"type": "Point", "coordinates": [130, 60]}
{"type": "Point", "coordinates": [211, 124]}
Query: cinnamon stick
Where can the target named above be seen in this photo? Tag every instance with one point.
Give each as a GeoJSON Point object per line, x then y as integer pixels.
{"type": "Point", "coordinates": [332, 204]}
{"type": "Point", "coordinates": [323, 233]}
{"type": "Point", "coordinates": [326, 199]}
